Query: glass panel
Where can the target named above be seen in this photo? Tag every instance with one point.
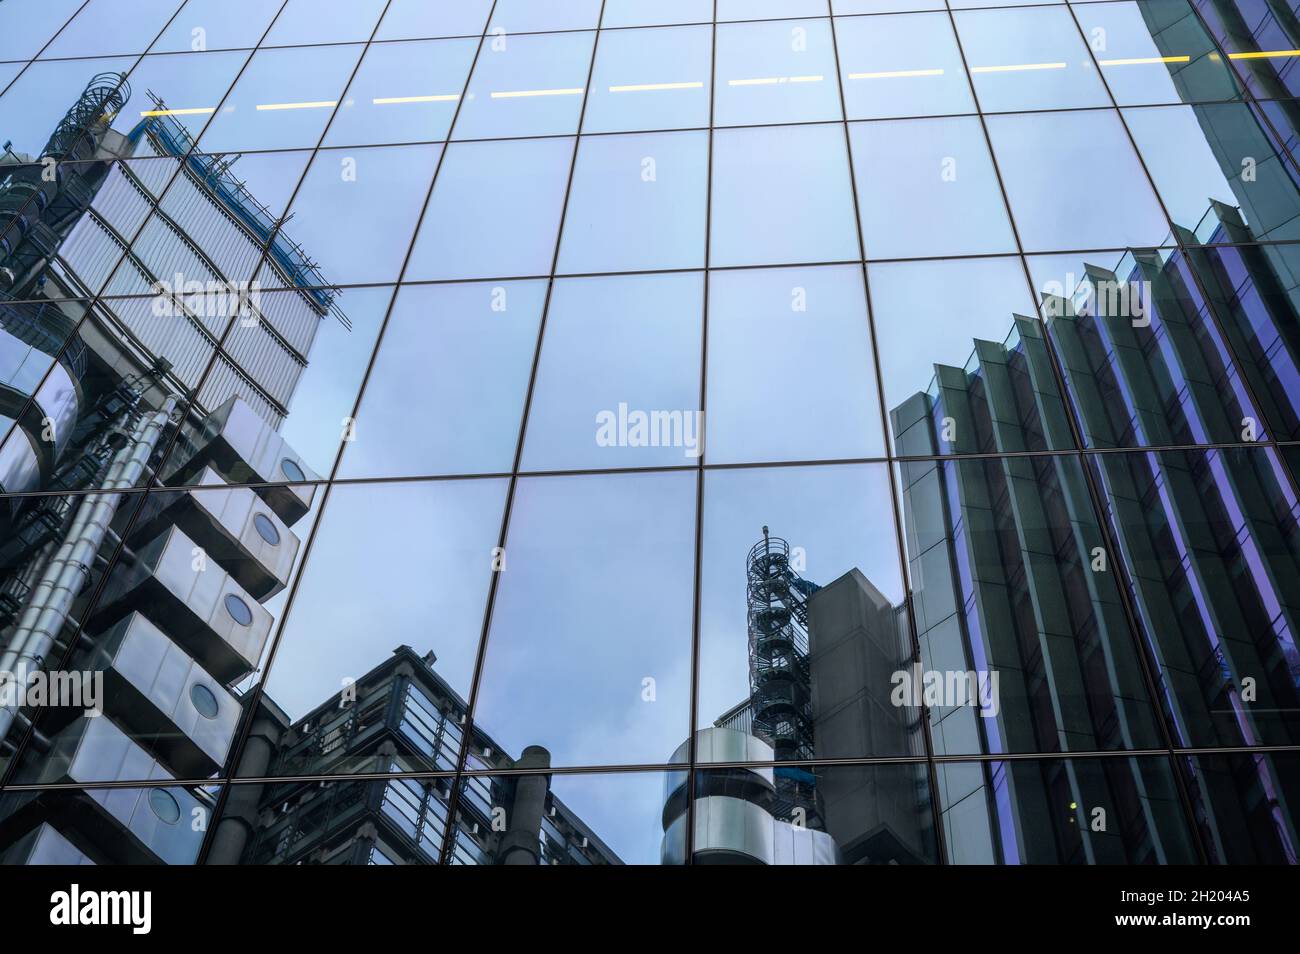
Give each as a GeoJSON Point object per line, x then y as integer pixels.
{"type": "Point", "coordinates": [476, 375]}
{"type": "Point", "coordinates": [27, 25]}
{"type": "Point", "coordinates": [610, 682]}
{"type": "Point", "coordinates": [1155, 51]}
{"type": "Point", "coordinates": [625, 13]}
{"type": "Point", "coordinates": [1208, 541]}
{"type": "Point", "coordinates": [284, 99]}
{"type": "Point", "coordinates": [927, 187]}
{"type": "Point", "coordinates": [804, 624]}
{"type": "Point", "coordinates": [418, 19]}
{"type": "Point", "coordinates": [619, 380]}
{"type": "Point", "coordinates": [112, 27]}
{"type": "Point", "coordinates": [1093, 195]}
{"type": "Point", "coordinates": [818, 400]}
{"type": "Point", "coordinates": [1046, 812]}
{"type": "Point", "coordinates": [404, 92]}
{"type": "Point", "coordinates": [651, 79]}
{"type": "Point", "coordinates": [813, 222]}
{"type": "Point", "coordinates": [216, 25]}
{"type": "Point", "coordinates": [775, 72]}
{"type": "Point", "coordinates": [335, 672]}
{"type": "Point", "coordinates": [901, 66]}
{"type": "Point", "coordinates": [1244, 807]}
{"type": "Point", "coordinates": [967, 370]}
{"type": "Point", "coordinates": [1029, 59]}
{"type": "Point", "coordinates": [637, 203]}
{"type": "Point", "coordinates": [509, 195]}
{"type": "Point", "coordinates": [333, 21]}
{"type": "Point", "coordinates": [378, 193]}
{"type": "Point", "coordinates": [527, 86]}
{"type": "Point", "coordinates": [1024, 639]}
{"type": "Point", "coordinates": [522, 16]}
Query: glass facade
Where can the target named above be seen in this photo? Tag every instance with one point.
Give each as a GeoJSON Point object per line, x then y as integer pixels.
{"type": "Point", "coordinates": [649, 432]}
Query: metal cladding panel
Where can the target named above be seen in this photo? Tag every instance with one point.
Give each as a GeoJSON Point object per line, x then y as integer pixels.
{"type": "Point", "coordinates": [150, 687]}
{"type": "Point", "coordinates": [190, 605]}
{"type": "Point", "coordinates": [293, 317]}
{"type": "Point", "coordinates": [240, 446]}
{"type": "Point", "coordinates": [210, 226]}
{"type": "Point", "coordinates": [90, 253]}
{"type": "Point", "coordinates": [227, 380]}
{"type": "Point", "coordinates": [224, 521]}
{"type": "Point", "coordinates": [796, 845]}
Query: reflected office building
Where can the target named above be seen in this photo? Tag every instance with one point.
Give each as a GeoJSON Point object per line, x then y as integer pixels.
{"type": "Point", "coordinates": [974, 335]}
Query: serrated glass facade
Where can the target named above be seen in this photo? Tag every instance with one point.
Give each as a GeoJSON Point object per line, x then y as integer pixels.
{"type": "Point", "coordinates": [649, 431]}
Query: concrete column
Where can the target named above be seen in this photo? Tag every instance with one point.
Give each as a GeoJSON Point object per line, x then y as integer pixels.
{"type": "Point", "coordinates": [520, 845]}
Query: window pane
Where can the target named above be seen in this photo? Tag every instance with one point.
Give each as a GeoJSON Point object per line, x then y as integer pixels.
{"type": "Point", "coordinates": [960, 344]}
{"type": "Point", "coordinates": [477, 375]}
{"type": "Point", "coordinates": [927, 187]}
{"type": "Point", "coordinates": [418, 19]}
{"type": "Point", "coordinates": [284, 99]}
{"type": "Point", "coordinates": [1002, 555]}
{"type": "Point", "coordinates": [651, 79]}
{"type": "Point", "coordinates": [216, 25]}
{"type": "Point", "coordinates": [527, 86]}
{"type": "Point", "coordinates": [1029, 59]}
{"type": "Point", "coordinates": [510, 195]}
{"type": "Point", "coordinates": [815, 320]}
{"type": "Point", "coordinates": [520, 16]}
{"type": "Point", "coordinates": [332, 669]}
{"type": "Point", "coordinates": [1042, 812]}
{"type": "Point", "coordinates": [812, 222]}
{"type": "Point", "coordinates": [803, 621]}
{"type": "Point", "coordinates": [901, 66]}
{"type": "Point", "coordinates": [404, 92]}
{"type": "Point", "coordinates": [582, 553]}
{"type": "Point", "coordinates": [775, 72]}
{"type": "Point", "coordinates": [1093, 195]}
{"type": "Point", "coordinates": [331, 21]}
{"type": "Point", "coordinates": [623, 13]}
{"type": "Point", "coordinates": [1155, 51]}
{"type": "Point", "coordinates": [638, 203]}
{"type": "Point", "coordinates": [619, 379]}
{"type": "Point", "coordinates": [769, 9]}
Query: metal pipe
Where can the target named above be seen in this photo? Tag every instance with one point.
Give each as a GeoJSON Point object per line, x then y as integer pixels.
{"type": "Point", "coordinates": [68, 572]}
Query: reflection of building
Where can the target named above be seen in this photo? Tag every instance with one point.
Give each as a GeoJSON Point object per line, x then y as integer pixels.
{"type": "Point", "coordinates": [820, 661]}
{"type": "Point", "coordinates": [1005, 550]}
{"type": "Point", "coordinates": [399, 717]}
{"type": "Point", "coordinates": [97, 396]}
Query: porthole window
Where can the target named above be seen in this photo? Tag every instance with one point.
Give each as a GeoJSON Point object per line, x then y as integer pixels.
{"type": "Point", "coordinates": [204, 701]}
{"type": "Point", "coordinates": [164, 805]}
{"type": "Point", "coordinates": [238, 610]}
{"type": "Point", "coordinates": [266, 529]}
{"type": "Point", "coordinates": [291, 470]}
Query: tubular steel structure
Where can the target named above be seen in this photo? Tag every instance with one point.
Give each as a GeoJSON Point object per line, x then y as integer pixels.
{"type": "Point", "coordinates": [779, 668]}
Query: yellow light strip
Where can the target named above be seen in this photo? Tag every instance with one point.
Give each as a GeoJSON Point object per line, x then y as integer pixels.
{"type": "Point", "coordinates": [1263, 54]}
{"type": "Point", "coordinates": [195, 111]}
{"type": "Point", "coordinates": [649, 87]}
{"type": "Point", "coordinates": [520, 93]}
{"type": "Point", "coordinates": [895, 74]}
{"type": "Point", "coordinates": [1144, 60]}
{"type": "Point", "coordinates": [774, 80]}
{"type": "Point", "coordinates": [389, 100]}
{"type": "Point", "coordinates": [323, 104]}
{"type": "Point", "coordinates": [1017, 67]}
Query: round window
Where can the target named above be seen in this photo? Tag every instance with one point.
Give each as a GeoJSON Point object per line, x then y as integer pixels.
{"type": "Point", "coordinates": [164, 805]}
{"type": "Point", "coordinates": [266, 529]}
{"type": "Point", "coordinates": [204, 701]}
{"type": "Point", "coordinates": [238, 610]}
{"type": "Point", "coordinates": [291, 469]}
